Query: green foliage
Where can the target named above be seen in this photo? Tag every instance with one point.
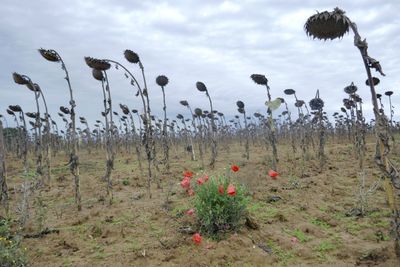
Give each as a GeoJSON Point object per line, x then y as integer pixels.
{"type": "Point", "coordinates": [218, 213]}
{"type": "Point", "coordinates": [321, 223]}
{"type": "Point", "coordinates": [284, 256]}
{"type": "Point", "coordinates": [299, 234]}
{"type": "Point", "coordinates": [11, 255]}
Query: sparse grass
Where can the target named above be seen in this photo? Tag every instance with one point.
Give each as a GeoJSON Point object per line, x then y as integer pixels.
{"type": "Point", "coordinates": [262, 211]}
{"type": "Point", "coordinates": [299, 234]}
{"type": "Point", "coordinates": [323, 248]}
{"type": "Point", "coordinates": [284, 257]}
{"type": "Point", "coordinates": [321, 223]}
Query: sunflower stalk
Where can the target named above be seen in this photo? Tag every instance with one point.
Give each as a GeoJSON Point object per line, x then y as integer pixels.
{"type": "Point", "coordinates": [3, 174]}
{"type": "Point", "coordinates": [52, 55]}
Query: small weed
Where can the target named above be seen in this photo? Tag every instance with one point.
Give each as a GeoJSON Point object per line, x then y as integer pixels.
{"type": "Point", "coordinates": [323, 248]}
{"type": "Point", "coordinates": [299, 234]}
{"type": "Point", "coordinates": [321, 223]}
{"type": "Point", "coordinates": [283, 256]}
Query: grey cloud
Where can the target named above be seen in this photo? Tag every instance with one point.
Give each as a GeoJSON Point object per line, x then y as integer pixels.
{"type": "Point", "coordinates": [219, 44]}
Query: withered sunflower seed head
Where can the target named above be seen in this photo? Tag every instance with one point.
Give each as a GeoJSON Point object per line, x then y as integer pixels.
{"type": "Point", "coordinates": [131, 56]}
{"type": "Point", "coordinates": [259, 79]}
{"type": "Point", "coordinates": [328, 25]}
{"type": "Point", "coordinates": [162, 80]}
{"type": "Point", "coordinates": [50, 55]}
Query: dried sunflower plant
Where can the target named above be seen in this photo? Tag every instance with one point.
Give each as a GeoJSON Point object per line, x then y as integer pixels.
{"type": "Point", "coordinates": [271, 105]}
{"type": "Point", "coordinates": [53, 56]}
{"type": "Point", "coordinates": [99, 68]}
{"type": "Point", "coordinates": [335, 24]}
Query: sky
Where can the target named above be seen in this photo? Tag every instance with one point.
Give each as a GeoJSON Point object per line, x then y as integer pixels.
{"type": "Point", "coordinates": [220, 43]}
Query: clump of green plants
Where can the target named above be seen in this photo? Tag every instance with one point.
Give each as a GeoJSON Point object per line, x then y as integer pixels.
{"type": "Point", "coordinates": [11, 253]}
{"type": "Point", "coordinates": [220, 206]}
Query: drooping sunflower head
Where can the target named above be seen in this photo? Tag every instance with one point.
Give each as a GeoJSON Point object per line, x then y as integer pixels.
{"type": "Point", "coordinates": [316, 103]}
{"type": "Point", "coordinates": [201, 87]}
{"type": "Point", "coordinates": [328, 25]}
{"type": "Point", "coordinates": [351, 89]}
{"type": "Point", "coordinates": [389, 93]}
{"type": "Point", "coordinates": [240, 104]}
{"type": "Point", "coordinates": [162, 80]}
{"type": "Point", "coordinates": [19, 79]}
{"type": "Point", "coordinates": [50, 55]}
{"type": "Point", "coordinates": [131, 56]}
{"type": "Point", "coordinates": [97, 64]}
{"type": "Point", "coordinates": [259, 79]}
{"type": "Point", "coordinates": [15, 108]}
{"type": "Point", "coordinates": [184, 103]}
{"type": "Point", "coordinates": [97, 74]}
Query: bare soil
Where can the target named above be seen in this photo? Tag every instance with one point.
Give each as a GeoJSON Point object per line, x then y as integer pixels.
{"type": "Point", "coordinates": [306, 226]}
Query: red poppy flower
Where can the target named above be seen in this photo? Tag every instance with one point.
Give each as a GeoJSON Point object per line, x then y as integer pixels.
{"type": "Point", "coordinates": [185, 183]}
{"type": "Point", "coordinates": [205, 178]}
{"type": "Point", "coordinates": [196, 238]}
{"type": "Point", "coordinates": [190, 192]}
{"type": "Point", "coordinates": [273, 174]}
{"type": "Point", "coordinates": [235, 168]}
{"type": "Point", "coordinates": [200, 181]}
{"type": "Point", "coordinates": [188, 174]}
{"type": "Point", "coordinates": [221, 189]}
{"type": "Point", "coordinates": [231, 190]}
{"type": "Point", "coordinates": [190, 212]}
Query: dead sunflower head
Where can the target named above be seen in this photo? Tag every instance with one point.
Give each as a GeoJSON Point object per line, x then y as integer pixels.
{"type": "Point", "coordinates": [240, 105]}
{"type": "Point", "coordinates": [198, 112]}
{"type": "Point", "coordinates": [50, 55]}
{"type": "Point", "coordinates": [375, 81]}
{"type": "Point", "coordinates": [124, 109]}
{"type": "Point", "coordinates": [289, 92]}
{"type": "Point", "coordinates": [15, 108]}
{"type": "Point", "coordinates": [328, 25]}
{"type": "Point", "coordinates": [201, 87]}
{"type": "Point", "coordinates": [316, 103]}
{"type": "Point", "coordinates": [33, 87]}
{"type": "Point", "coordinates": [299, 103]}
{"type": "Point", "coordinates": [259, 79]}
{"type": "Point", "coordinates": [19, 79]}
{"type": "Point", "coordinates": [389, 93]}
{"type": "Point", "coordinates": [131, 56]}
{"type": "Point", "coordinates": [31, 115]}
{"type": "Point", "coordinates": [351, 89]}
{"type": "Point", "coordinates": [64, 110]}
{"type": "Point", "coordinates": [97, 64]}
{"type": "Point", "coordinates": [162, 80]}
{"type": "Point", "coordinates": [184, 103]}
{"type": "Point", "coordinates": [97, 74]}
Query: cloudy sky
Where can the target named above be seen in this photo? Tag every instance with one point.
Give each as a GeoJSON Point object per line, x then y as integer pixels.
{"type": "Point", "coordinates": [220, 43]}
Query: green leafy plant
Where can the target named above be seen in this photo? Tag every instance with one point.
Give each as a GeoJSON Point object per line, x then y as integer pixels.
{"type": "Point", "coordinates": [11, 253]}
{"type": "Point", "coordinates": [220, 206]}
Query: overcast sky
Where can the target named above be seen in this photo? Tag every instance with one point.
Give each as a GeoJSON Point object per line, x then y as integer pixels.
{"type": "Point", "coordinates": [220, 43]}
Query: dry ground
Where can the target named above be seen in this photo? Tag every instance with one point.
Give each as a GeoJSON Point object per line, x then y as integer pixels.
{"type": "Point", "coordinates": [138, 231]}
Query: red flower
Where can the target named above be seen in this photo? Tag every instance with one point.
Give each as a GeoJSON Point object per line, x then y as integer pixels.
{"type": "Point", "coordinates": [188, 174]}
{"type": "Point", "coordinates": [231, 190]}
{"type": "Point", "coordinates": [196, 238]}
{"type": "Point", "coordinates": [185, 183]}
{"type": "Point", "coordinates": [235, 168]}
{"type": "Point", "coordinates": [273, 174]}
{"type": "Point", "coordinates": [190, 192]}
{"type": "Point", "coordinates": [221, 189]}
{"type": "Point", "coordinates": [205, 178]}
{"type": "Point", "coordinates": [200, 181]}
{"type": "Point", "coordinates": [190, 212]}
